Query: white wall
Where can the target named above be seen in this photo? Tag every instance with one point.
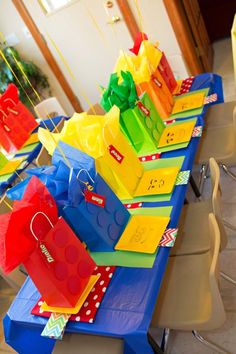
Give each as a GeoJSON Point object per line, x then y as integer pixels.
{"type": "Point", "coordinates": [157, 25]}
{"type": "Point", "coordinates": [91, 53]}
{"type": "Point", "coordinates": [11, 23]}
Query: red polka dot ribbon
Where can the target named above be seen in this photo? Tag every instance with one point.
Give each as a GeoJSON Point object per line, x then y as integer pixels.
{"type": "Point", "coordinates": [185, 86]}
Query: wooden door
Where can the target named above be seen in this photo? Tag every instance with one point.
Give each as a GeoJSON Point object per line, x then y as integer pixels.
{"type": "Point", "coordinates": [199, 33]}
{"type": "Point", "coordinates": [191, 34]}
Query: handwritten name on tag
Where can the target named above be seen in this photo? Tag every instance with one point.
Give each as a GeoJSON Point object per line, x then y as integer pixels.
{"type": "Point", "coordinates": [46, 253]}
{"type": "Point", "coordinates": [115, 154]}
{"type": "Point", "coordinates": [143, 109]}
{"type": "Point", "coordinates": [94, 198]}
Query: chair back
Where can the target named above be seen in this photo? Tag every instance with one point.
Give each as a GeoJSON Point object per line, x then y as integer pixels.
{"type": "Point", "coordinates": [216, 200]}
{"type": "Point", "coordinates": [96, 109]}
{"type": "Point", "coordinates": [49, 108]}
{"type": "Point", "coordinates": [44, 158]}
{"type": "Point", "coordinates": [233, 40]}
{"type": "Point", "coordinates": [5, 205]}
{"type": "Point", "coordinates": [218, 313]}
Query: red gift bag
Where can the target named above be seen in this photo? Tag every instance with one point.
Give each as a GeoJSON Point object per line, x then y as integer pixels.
{"type": "Point", "coordinates": [54, 257]}
{"type": "Point", "coordinates": [16, 121]}
{"type": "Point", "coordinates": [167, 73]}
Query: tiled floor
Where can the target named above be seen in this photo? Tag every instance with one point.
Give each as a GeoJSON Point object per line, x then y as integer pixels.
{"type": "Point", "coordinates": [182, 342]}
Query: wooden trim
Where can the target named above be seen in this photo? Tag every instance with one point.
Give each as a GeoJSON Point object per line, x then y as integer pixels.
{"type": "Point", "coordinates": [183, 34]}
{"type": "Point", "coordinates": [128, 17]}
{"type": "Point", "coordinates": [22, 10]}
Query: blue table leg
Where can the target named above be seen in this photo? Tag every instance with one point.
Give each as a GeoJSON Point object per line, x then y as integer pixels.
{"type": "Point", "coordinates": [26, 340]}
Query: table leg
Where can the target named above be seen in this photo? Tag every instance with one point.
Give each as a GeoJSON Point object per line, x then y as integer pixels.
{"type": "Point", "coordinates": [194, 186]}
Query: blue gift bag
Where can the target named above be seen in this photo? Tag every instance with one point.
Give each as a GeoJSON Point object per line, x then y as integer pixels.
{"type": "Point", "coordinates": [99, 226]}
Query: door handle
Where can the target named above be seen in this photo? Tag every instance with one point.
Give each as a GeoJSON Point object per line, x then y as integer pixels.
{"type": "Point", "coordinates": [114, 19]}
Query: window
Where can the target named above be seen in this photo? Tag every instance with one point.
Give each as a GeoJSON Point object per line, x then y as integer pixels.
{"type": "Point", "coordinates": [50, 6]}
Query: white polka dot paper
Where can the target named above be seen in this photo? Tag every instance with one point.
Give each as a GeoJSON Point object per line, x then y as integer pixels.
{"type": "Point", "coordinates": [90, 307]}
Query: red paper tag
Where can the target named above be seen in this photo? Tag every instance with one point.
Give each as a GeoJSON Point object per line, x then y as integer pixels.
{"type": "Point", "coordinates": [156, 81]}
{"type": "Point", "coordinates": [94, 198]}
{"type": "Point", "coordinates": [115, 154]}
{"type": "Point", "coordinates": [143, 108]}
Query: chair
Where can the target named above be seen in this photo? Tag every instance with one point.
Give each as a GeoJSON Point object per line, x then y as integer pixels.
{"type": "Point", "coordinates": [43, 158]}
{"type": "Point", "coordinates": [219, 115]}
{"type": "Point", "coordinates": [16, 278]}
{"type": "Point", "coordinates": [218, 142]}
{"type": "Point", "coordinates": [233, 40]}
{"type": "Point", "coordinates": [189, 298]}
{"type": "Point", "coordinates": [192, 228]}
{"type": "Point", "coordinates": [49, 107]}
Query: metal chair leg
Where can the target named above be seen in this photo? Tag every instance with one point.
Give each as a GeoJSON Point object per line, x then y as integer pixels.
{"type": "Point", "coordinates": [215, 347]}
{"type": "Point", "coordinates": [228, 278]}
{"type": "Point", "coordinates": [154, 345]}
{"type": "Point", "coordinates": [165, 339]}
{"type": "Point", "coordinates": [203, 176]}
{"type": "Point", "coordinates": [227, 171]}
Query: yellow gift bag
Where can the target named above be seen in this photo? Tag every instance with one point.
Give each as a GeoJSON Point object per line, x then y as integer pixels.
{"type": "Point", "coordinates": [100, 137]}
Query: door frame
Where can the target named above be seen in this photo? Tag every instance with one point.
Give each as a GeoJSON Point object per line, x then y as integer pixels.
{"type": "Point", "coordinates": [40, 41]}
{"type": "Point", "coordinates": [184, 36]}
{"type": "Point", "coordinates": [177, 18]}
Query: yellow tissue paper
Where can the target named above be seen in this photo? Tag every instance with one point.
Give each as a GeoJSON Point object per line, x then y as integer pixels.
{"type": "Point", "coordinates": [100, 137]}
{"type": "Point", "coordinates": [73, 310]}
{"type": "Point", "coordinates": [158, 181]}
{"type": "Point", "coordinates": [141, 66]}
{"type": "Point", "coordinates": [143, 233]}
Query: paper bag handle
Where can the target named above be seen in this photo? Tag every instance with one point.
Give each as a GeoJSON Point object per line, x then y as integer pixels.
{"type": "Point", "coordinates": [86, 171]}
{"type": "Point", "coordinates": [14, 104]}
{"type": "Point", "coordinates": [5, 126]}
{"type": "Point", "coordinates": [32, 220]}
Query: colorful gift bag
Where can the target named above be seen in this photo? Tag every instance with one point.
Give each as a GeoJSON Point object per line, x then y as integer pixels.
{"type": "Point", "coordinates": [144, 68]}
{"type": "Point", "coordinates": [139, 118]}
{"type": "Point", "coordinates": [53, 256]}
{"type": "Point", "coordinates": [101, 137]}
{"type": "Point", "coordinates": [100, 218]}
{"type": "Point", "coordinates": [167, 73]}
{"type": "Point", "coordinates": [93, 210]}
{"type": "Point", "coordinates": [16, 121]}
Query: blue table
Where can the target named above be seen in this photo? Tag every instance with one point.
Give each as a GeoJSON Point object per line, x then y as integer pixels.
{"type": "Point", "coordinates": [29, 156]}
{"type": "Point", "coordinates": [128, 304]}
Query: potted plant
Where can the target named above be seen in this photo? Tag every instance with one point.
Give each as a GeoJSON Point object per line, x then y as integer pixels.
{"type": "Point", "coordinates": [36, 77]}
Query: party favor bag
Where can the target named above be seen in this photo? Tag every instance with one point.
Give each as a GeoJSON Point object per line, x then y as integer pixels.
{"type": "Point", "coordinates": [139, 118]}
{"type": "Point", "coordinates": [99, 218]}
{"type": "Point", "coordinates": [53, 256]}
{"type": "Point", "coordinates": [16, 121]}
{"type": "Point", "coordinates": [144, 68]}
{"type": "Point", "coordinates": [101, 137]}
{"type": "Point", "coordinates": [93, 210]}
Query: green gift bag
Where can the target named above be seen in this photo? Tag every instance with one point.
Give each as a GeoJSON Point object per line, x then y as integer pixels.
{"type": "Point", "coordinates": [143, 125]}
{"type": "Point", "coordinates": [139, 119]}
